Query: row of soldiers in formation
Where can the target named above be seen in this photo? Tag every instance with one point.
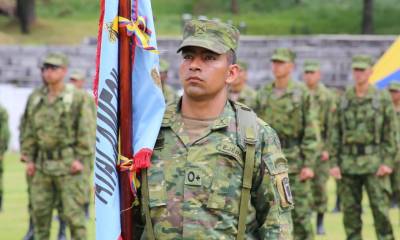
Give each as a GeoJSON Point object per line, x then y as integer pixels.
{"type": "Point", "coordinates": [353, 129]}
{"type": "Point", "coordinates": [199, 183]}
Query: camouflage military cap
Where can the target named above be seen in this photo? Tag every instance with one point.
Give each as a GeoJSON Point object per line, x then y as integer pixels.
{"type": "Point", "coordinates": [284, 55]}
{"type": "Point", "coordinates": [395, 85]}
{"type": "Point", "coordinates": [164, 65]}
{"type": "Point", "coordinates": [243, 65]}
{"type": "Point", "coordinates": [78, 75]}
{"type": "Point", "coordinates": [362, 62]}
{"type": "Point", "coordinates": [311, 65]}
{"type": "Point", "coordinates": [213, 35]}
{"type": "Point", "coordinates": [56, 59]}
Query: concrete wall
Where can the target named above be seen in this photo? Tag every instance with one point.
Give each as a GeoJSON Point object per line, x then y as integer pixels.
{"type": "Point", "coordinates": [19, 64]}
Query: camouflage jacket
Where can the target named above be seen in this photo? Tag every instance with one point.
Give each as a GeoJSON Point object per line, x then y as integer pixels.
{"type": "Point", "coordinates": [325, 103]}
{"type": "Point", "coordinates": [294, 120]}
{"type": "Point", "coordinates": [195, 188]}
{"type": "Point", "coordinates": [22, 123]}
{"type": "Point", "coordinates": [4, 131]}
{"type": "Point", "coordinates": [247, 96]}
{"type": "Point", "coordinates": [170, 94]}
{"type": "Point", "coordinates": [366, 132]}
{"type": "Point", "coordinates": [93, 112]}
{"type": "Point", "coordinates": [397, 158]}
{"type": "Point", "coordinates": [56, 133]}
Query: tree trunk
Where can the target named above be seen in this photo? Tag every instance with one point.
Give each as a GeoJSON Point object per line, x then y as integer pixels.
{"type": "Point", "coordinates": [234, 6]}
{"type": "Point", "coordinates": [367, 21]}
{"type": "Point", "coordinates": [26, 14]}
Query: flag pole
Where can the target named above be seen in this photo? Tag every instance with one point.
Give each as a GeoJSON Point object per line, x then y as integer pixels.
{"type": "Point", "coordinates": [125, 117]}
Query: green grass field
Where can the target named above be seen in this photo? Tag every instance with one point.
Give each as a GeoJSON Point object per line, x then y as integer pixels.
{"type": "Point", "coordinates": [68, 22]}
{"type": "Point", "coordinates": [14, 217]}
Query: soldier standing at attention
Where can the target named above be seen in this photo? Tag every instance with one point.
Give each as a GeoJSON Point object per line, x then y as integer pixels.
{"type": "Point", "coordinates": [4, 139]}
{"type": "Point", "coordinates": [325, 101]}
{"type": "Point", "coordinates": [367, 145]}
{"type": "Point", "coordinates": [29, 108]}
{"type": "Point", "coordinates": [394, 89]}
{"type": "Point", "coordinates": [77, 78]}
{"type": "Point", "coordinates": [239, 91]}
{"type": "Point", "coordinates": [56, 143]}
{"type": "Point", "coordinates": [217, 171]}
{"type": "Point", "coordinates": [286, 105]}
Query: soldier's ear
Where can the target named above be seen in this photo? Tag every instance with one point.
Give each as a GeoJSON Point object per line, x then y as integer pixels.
{"type": "Point", "coordinates": [233, 73]}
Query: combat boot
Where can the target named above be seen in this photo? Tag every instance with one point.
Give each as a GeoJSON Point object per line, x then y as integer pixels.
{"type": "Point", "coordinates": [29, 234]}
{"type": "Point", "coordinates": [320, 224]}
{"type": "Point", "coordinates": [61, 231]}
{"type": "Point", "coordinates": [337, 205]}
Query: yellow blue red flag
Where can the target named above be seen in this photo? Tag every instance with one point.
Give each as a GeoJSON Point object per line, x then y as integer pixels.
{"type": "Point", "coordinates": [387, 69]}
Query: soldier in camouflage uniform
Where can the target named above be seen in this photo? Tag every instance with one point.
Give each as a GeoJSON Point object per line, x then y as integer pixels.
{"type": "Point", "coordinates": [239, 91]}
{"type": "Point", "coordinates": [77, 78]}
{"type": "Point", "coordinates": [4, 138]}
{"type": "Point", "coordinates": [56, 142]}
{"type": "Point", "coordinates": [170, 94]}
{"type": "Point", "coordinates": [325, 102]}
{"type": "Point", "coordinates": [196, 184]}
{"type": "Point", "coordinates": [286, 105]}
{"type": "Point", "coordinates": [394, 89]}
{"type": "Point", "coordinates": [30, 233]}
{"type": "Point", "coordinates": [366, 140]}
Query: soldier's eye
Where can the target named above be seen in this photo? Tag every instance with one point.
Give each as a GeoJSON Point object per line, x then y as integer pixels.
{"type": "Point", "coordinates": [187, 56]}
{"type": "Point", "coordinates": [210, 57]}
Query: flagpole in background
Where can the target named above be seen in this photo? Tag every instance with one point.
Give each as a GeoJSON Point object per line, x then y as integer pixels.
{"type": "Point", "coordinates": [125, 117]}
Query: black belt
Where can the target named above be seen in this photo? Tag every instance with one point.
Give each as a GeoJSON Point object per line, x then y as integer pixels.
{"type": "Point", "coordinates": [359, 149]}
{"type": "Point", "coordinates": [53, 154]}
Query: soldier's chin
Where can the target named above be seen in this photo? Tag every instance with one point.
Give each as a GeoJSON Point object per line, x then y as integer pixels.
{"type": "Point", "coordinates": [195, 93]}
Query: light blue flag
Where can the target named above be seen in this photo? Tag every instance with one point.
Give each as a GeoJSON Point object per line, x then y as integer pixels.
{"type": "Point", "coordinates": [107, 202]}
{"type": "Point", "coordinates": [148, 107]}
{"type": "Point", "coordinates": [148, 99]}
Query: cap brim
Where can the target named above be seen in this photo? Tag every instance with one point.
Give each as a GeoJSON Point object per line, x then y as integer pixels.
{"type": "Point", "coordinates": [311, 69]}
{"type": "Point", "coordinates": [213, 46]}
{"type": "Point", "coordinates": [55, 63]}
{"type": "Point", "coordinates": [360, 66]}
{"type": "Point", "coordinates": [280, 58]}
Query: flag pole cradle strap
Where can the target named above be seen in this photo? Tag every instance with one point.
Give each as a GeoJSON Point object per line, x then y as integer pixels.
{"type": "Point", "coordinates": [146, 208]}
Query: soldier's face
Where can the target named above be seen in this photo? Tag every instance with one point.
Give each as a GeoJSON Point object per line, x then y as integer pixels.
{"type": "Point", "coordinates": [361, 76]}
{"type": "Point", "coordinates": [312, 78]}
{"type": "Point", "coordinates": [282, 69]}
{"type": "Point", "coordinates": [395, 96]}
{"type": "Point", "coordinates": [78, 83]}
{"type": "Point", "coordinates": [53, 74]}
{"type": "Point", "coordinates": [205, 74]}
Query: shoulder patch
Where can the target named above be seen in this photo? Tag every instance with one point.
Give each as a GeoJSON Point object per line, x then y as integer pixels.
{"type": "Point", "coordinates": [283, 186]}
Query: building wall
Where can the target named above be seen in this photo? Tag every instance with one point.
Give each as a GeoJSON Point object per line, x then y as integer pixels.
{"type": "Point", "coordinates": [20, 64]}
